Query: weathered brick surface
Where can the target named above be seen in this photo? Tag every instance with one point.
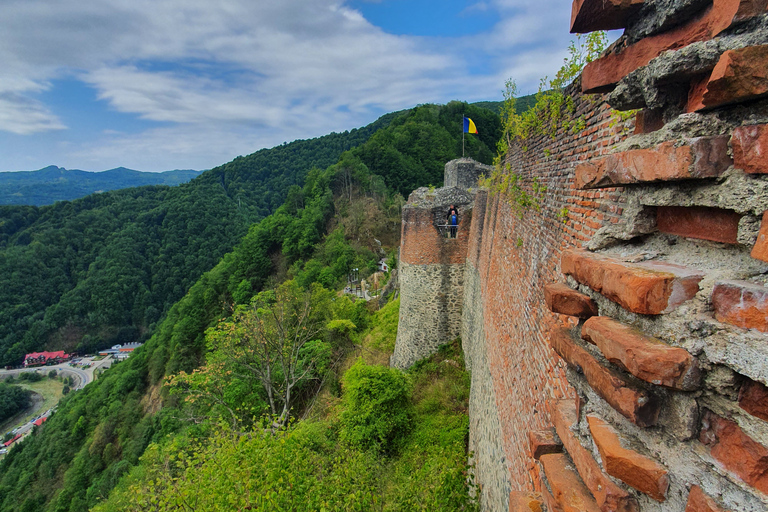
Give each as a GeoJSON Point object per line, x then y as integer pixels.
{"type": "Point", "coordinates": [560, 298]}
{"type": "Point", "coordinates": [569, 492]}
{"type": "Point", "coordinates": [644, 357]}
{"type": "Point", "coordinates": [509, 309]}
{"type": "Point", "coordinates": [422, 244]}
{"type": "Point", "coordinates": [592, 15]}
{"type": "Point", "coordinates": [753, 398]}
{"type": "Point", "coordinates": [608, 495]}
{"type": "Point", "coordinates": [760, 250]}
{"type": "Point", "coordinates": [605, 72]}
{"type": "Point", "coordinates": [648, 288]}
{"type": "Point", "coordinates": [739, 453]}
{"type": "Point", "coordinates": [637, 405]}
{"type": "Point", "coordinates": [742, 304]}
{"type": "Point", "coordinates": [647, 121]}
{"type": "Point", "coordinates": [702, 157]}
{"type": "Point", "coordinates": [739, 75]}
{"type": "Point", "coordinates": [700, 222]}
{"type": "Point", "coordinates": [750, 148]}
{"type": "Point", "coordinates": [520, 501]}
{"type": "Point", "coordinates": [700, 502]}
{"type": "Point", "coordinates": [543, 442]}
{"type": "Point", "coordinates": [632, 468]}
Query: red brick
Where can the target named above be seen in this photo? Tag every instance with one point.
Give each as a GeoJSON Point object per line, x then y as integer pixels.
{"type": "Point", "coordinates": [753, 398]}
{"type": "Point", "coordinates": [568, 491]}
{"type": "Point", "coordinates": [422, 244]}
{"type": "Point", "coordinates": [702, 157]}
{"type": "Point", "coordinates": [549, 501]}
{"type": "Point", "coordinates": [644, 357]}
{"type": "Point", "coordinates": [742, 304]}
{"type": "Point", "coordinates": [750, 148]}
{"type": "Point", "coordinates": [739, 75]}
{"type": "Point", "coordinates": [699, 222]}
{"type": "Point", "coordinates": [608, 495]}
{"type": "Point", "coordinates": [602, 74]}
{"type": "Point", "coordinates": [520, 501]}
{"type": "Point", "coordinates": [696, 93]}
{"type": "Point", "coordinates": [543, 442]}
{"type": "Point", "coordinates": [647, 121]}
{"type": "Point", "coordinates": [632, 468]}
{"type": "Point", "coordinates": [700, 502]}
{"type": "Point", "coordinates": [592, 15]}
{"type": "Point", "coordinates": [637, 405]}
{"type": "Point", "coordinates": [562, 299]}
{"type": "Point", "coordinates": [648, 288]}
{"type": "Point", "coordinates": [735, 450]}
{"type": "Point", "coordinates": [760, 250]}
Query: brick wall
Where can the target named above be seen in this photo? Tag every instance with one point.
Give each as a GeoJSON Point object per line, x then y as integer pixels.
{"type": "Point", "coordinates": [617, 335]}
{"type": "Point", "coordinates": [621, 357]}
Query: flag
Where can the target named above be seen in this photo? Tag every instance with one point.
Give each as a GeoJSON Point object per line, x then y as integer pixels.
{"type": "Point", "coordinates": [469, 126]}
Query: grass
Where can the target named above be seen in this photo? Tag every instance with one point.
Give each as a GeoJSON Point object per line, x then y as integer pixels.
{"type": "Point", "coordinates": [49, 389]}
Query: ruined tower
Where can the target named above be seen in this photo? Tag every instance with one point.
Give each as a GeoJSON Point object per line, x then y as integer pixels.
{"type": "Point", "coordinates": [432, 263]}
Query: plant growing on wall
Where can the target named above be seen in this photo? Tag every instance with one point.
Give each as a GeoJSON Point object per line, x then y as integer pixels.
{"type": "Point", "coordinates": [553, 110]}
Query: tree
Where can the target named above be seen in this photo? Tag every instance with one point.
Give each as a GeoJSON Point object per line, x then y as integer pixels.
{"type": "Point", "coordinates": [275, 341]}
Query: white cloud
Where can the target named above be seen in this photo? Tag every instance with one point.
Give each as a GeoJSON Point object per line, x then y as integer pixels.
{"type": "Point", "coordinates": [236, 75]}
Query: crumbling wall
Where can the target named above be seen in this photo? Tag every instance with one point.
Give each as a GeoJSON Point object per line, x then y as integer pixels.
{"type": "Point", "coordinates": [623, 326]}
{"type": "Point", "coordinates": [431, 272]}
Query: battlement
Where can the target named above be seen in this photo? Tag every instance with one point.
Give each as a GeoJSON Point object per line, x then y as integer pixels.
{"type": "Point", "coordinates": [616, 330]}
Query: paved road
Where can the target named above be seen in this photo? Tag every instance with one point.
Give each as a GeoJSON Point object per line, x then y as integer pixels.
{"type": "Point", "coordinates": [82, 376]}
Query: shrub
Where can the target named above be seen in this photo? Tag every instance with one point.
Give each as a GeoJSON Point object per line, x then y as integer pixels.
{"type": "Point", "coordinates": [377, 412]}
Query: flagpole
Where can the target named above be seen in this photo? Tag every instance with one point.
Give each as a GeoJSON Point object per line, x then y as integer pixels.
{"type": "Point", "coordinates": [462, 137]}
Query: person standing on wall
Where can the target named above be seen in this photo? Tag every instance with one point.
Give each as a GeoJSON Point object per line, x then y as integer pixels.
{"type": "Point", "coordinates": [453, 220]}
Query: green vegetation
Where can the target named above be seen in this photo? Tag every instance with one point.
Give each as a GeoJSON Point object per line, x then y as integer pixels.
{"type": "Point", "coordinates": [52, 183]}
{"type": "Point", "coordinates": [331, 220]}
{"type": "Point", "coordinates": [13, 400]}
{"type": "Point", "coordinates": [312, 465]}
{"type": "Point", "coordinates": [106, 269]}
{"type": "Point", "coordinates": [551, 111]}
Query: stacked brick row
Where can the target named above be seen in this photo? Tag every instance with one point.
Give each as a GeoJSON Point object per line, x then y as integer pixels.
{"type": "Point", "coordinates": [662, 318]}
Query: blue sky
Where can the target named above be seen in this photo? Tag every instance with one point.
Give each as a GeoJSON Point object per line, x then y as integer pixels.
{"type": "Point", "coordinates": [155, 85]}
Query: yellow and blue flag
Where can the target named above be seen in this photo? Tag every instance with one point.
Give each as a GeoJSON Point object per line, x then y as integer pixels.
{"type": "Point", "coordinates": [469, 126]}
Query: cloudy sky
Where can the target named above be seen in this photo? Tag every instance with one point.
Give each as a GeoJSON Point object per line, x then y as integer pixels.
{"type": "Point", "coordinates": [190, 84]}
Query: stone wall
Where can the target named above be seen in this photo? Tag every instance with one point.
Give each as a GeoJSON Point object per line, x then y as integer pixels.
{"type": "Point", "coordinates": [618, 336]}
{"type": "Point", "coordinates": [464, 173]}
{"type": "Point", "coordinates": [430, 310]}
{"type": "Point", "coordinates": [432, 268]}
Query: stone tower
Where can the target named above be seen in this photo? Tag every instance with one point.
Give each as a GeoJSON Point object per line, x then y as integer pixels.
{"type": "Point", "coordinates": [432, 263]}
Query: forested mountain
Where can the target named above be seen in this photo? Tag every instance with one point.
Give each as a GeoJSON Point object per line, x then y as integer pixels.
{"type": "Point", "coordinates": [323, 228]}
{"type": "Point", "coordinates": [51, 184]}
{"type": "Point", "coordinates": [103, 269]}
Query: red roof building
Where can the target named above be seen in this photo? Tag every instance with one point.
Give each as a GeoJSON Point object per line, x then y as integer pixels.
{"type": "Point", "coordinates": [40, 421]}
{"type": "Point", "coordinates": [44, 358]}
{"type": "Point", "coordinates": [11, 441]}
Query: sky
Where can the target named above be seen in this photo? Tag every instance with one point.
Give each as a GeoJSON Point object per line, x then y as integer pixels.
{"type": "Point", "coordinates": [156, 85]}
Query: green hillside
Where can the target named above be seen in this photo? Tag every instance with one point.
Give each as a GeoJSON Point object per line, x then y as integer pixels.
{"type": "Point", "coordinates": [320, 230]}
{"type": "Point", "coordinates": [51, 184]}
{"type": "Point", "coordinates": [104, 269]}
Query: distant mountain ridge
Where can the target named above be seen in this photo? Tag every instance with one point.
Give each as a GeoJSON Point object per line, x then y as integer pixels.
{"type": "Point", "coordinates": [50, 184]}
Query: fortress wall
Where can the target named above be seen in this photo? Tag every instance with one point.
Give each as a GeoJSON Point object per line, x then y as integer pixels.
{"type": "Point", "coordinates": [618, 335]}
{"type": "Point", "coordinates": [431, 273]}
{"type": "Point", "coordinates": [512, 254]}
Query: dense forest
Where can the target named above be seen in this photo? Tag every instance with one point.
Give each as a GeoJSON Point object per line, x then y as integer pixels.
{"type": "Point", "coordinates": [51, 184]}
{"type": "Point", "coordinates": [155, 242]}
{"type": "Point", "coordinates": [104, 269]}
{"type": "Point", "coordinates": [13, 400]}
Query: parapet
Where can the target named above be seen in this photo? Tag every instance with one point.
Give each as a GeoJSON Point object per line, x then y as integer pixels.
{"type": "Point", "coordinates": [465, 173]}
